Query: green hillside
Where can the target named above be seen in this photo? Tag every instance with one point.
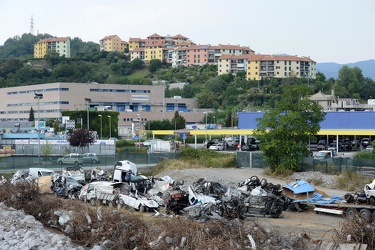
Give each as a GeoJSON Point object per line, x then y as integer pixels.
{"type": "Point", "coordinates": [226, 94]}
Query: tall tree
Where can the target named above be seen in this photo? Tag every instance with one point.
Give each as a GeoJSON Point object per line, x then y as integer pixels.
{"type": "Point", "coordinates": [286, 130]}
{"type": "Point", "coordinates": [178, 121]}
{"type": "Point", "coordinates": [31, 115]}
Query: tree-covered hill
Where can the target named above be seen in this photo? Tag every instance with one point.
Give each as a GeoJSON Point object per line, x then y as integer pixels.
{"type": "Point", "coordinates": [23, 47]}
{"type": "Point", "coordinates": [226, 93]}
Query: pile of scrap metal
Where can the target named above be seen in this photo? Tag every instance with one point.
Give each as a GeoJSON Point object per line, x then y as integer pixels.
{"type": "Point", "coordinates": [21, 176]}
{"type": "Point", "coordinates": [207, 199]}
{"type": "Point", "coordinates": [99, 174]}
{"type": "Point", "coordinates": [65, 186]}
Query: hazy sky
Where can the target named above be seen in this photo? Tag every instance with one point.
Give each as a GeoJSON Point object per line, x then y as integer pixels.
{"type": "Point", "coordinates": [341, 31]}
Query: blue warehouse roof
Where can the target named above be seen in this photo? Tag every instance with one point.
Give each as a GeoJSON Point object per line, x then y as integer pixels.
{"type": "Point", "coordinates": [347, 123]}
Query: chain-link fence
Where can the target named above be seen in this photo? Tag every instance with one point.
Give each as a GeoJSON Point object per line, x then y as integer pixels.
{"type": "Point", "coordinates": [331, 165]}
{"type": "Point", "coordinates": [12, 163]}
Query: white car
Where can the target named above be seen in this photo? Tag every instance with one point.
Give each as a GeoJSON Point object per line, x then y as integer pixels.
{"type": "Point", "coordinates": [217, 146]}
{"type": "Point", "coordinates": [137, 201]}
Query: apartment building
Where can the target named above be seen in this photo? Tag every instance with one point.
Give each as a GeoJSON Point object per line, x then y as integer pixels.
{"type": "Point", "coordinates": [112, 43]}
{"type": "Point", "coordinates": [135, 43]}
{"type": "Point", "coordinates": [154, 47]}
{"type": "Point", "coordinates": [61, 45]}
{"type": "Point", "coordinates": [207, 54]}
{"type": "Point", "coordinates": [258, 66]}
{"type": "Point", "coordinates": [133, 102]}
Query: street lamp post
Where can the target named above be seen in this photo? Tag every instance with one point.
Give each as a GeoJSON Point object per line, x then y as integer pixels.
{"type": "Point", "coordinates": [38, 96]}
{"type": "Point", "coordinates": [139, 130]}
{"type": "Point", "coordinates": [101, 126]}
{"type": "Point", "coordinates": [88, 101]}
{"type": "Point", "coordinates": [214, 120]}
{"type": "Point", "coordinates": [110, 129]}
{"type": "Point", "coordinates": [205, 114]}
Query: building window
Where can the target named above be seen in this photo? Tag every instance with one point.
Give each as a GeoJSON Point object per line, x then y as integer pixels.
{"type": "Point", "coordinates": [277, 72]}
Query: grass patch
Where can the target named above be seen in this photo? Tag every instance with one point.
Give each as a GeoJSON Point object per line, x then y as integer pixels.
{"type": "Point", "coordinates": [352, 181]}
{"type": "Point", "coordinates": [315, 181]}
{"type": "Point", "coordinates": [138, 74]}
{"type": "Point", "coordinates": [279, 172]}
{"type": "Point", "coordinates": [194, 158]}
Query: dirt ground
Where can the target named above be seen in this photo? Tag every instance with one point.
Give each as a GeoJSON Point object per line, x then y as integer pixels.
{"type": "Point", "coordinates": [317, 226]}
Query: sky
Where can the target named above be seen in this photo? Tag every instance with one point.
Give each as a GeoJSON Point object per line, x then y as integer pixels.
{"type": "Point", "coordinates": [341, 31]}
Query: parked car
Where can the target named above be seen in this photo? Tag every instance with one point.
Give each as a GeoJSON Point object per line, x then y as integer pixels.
{"type": "Point", "coordinates": [217, 146]}
{"type": "Point", "coordinates": [72, 158]}
{"type": "Point", "coordinates": [250, 147]}
{"type": "Point", "coordinates": [324, 154]}
{"type": "Point", "coordinates": [91, 158]}
{"type": "Point", "coordinates": [208, 143]}
{"type": "Point", "coordinates": [355, 144]}
{"type": "Point", "coordinates": [332, 147]}
{"type": "Point", "coordinates": [346, 144]}
{"type": "Point", "coordinates": [322, 145]}
{"type": "Point", "coordinates": [365, 142]}
{"type": "Point", "coordinates": [313, 146]}
{"type": "Point", "coordinates": [369, 148]}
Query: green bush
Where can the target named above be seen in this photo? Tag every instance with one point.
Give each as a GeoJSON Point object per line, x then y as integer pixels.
{"type": "Point", "coordinates": [365, 155]}
{"type": "Point", "coordinates": [124, 143]}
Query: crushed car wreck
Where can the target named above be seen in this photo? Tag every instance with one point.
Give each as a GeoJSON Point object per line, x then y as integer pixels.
{"type": "Point", "coordinates": [65, 186]}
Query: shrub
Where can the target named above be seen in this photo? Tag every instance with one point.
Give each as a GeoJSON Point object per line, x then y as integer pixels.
{"type": "Point", "coordinates": [352, 181]}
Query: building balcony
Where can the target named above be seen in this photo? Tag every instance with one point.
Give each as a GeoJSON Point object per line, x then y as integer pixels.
{"type": "Point", "coordinates": [267, 64]}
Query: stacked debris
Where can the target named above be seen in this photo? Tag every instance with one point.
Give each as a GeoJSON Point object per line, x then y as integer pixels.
{"type": "Point", "coordinates": [65, 186]}
{"type": "Point", "coordinates": [208, 199]}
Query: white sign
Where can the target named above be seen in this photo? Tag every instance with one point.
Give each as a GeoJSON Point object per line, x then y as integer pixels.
{"type": "Point", "coordinates": [139, 97]}
{"type": "Point", "coordinates": [40, 125]}
{"type": "Point", "coordinates": [65, 118]}
{"type": "Point", "coordinates": [70, 124]}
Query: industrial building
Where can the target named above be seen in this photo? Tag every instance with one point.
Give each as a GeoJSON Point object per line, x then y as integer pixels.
{"type": "Point", "coordinates": [136, 104]}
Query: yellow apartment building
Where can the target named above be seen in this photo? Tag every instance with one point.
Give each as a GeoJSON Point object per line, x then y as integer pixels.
{"type": "Point", "coordinates": [111, 43]}
{"type": "Point", "coordinates": [258, 66]}
{"type": "Point", "coordinates": [61, 45]}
